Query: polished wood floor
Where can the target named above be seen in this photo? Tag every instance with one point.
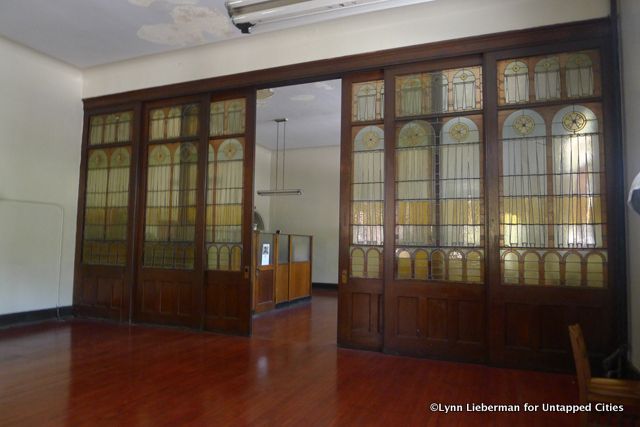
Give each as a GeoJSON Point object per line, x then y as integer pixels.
{"type": "Point", "coordinates": [290, 373]}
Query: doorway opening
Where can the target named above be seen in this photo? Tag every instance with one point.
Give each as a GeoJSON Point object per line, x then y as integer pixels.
{"type": "Point", "coordinates": [296, 233]}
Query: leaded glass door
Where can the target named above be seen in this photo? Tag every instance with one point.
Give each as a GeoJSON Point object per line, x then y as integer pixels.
{"type": "Point", "coordinates": [104, 250]}
{"type": "Point", "coordinates": [552, 249]}
{"type": "Point", "coordinates": [228, 212]}
{"type": "Point", "coordinates": [168, 289]}
{"type": "Point", "coordinates": [361, 212]}
{"type": "Point", "coordinates": [434, 296]}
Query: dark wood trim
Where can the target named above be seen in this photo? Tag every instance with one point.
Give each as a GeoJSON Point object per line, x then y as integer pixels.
{"type": "Point", "coordinates": [12, 319]}
{"type": "Point", "coordinates": [338, 67]}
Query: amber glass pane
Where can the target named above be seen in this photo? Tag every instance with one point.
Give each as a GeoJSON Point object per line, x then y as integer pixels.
{"type": "Point", "coordinates": [171, 206]}
{"type": "Point", "coordinates": [404, 265]}
{"type": "Point", "coordinates": [225, 185]}
{"type": "Point", "coordinates": [106, 206]}
{"type": "Point", "coordinates": [531, 269]}
{"type": "Point", "coordinates": [551, 269]}
{"type": "Point", "coordinates": [421, 265]}
{"type": "Point", "coordinates": [511, 268]}
{"type": "Point", "coordinates": [357, 262]}
{"type": "Point", "coordinates": [595, 270]}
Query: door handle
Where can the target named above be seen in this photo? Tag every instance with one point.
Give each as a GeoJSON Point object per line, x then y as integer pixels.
{"type": "Point", "coordinates": [246, 271]}
{"type": "Point", "coordinates": [344, 277]}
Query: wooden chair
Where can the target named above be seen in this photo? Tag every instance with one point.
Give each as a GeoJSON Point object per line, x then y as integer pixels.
{"type": "Point", "coordinates": [600, 390]}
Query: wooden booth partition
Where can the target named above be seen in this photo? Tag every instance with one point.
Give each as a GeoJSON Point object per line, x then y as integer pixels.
{"type": "Point", "coordinates": [283, 265]}
{"type": "Point", "coordinates": [229, 210]}
{"type": "Point", "coordinates": [105, 261]}
{"type": "Point", "coordinates": [434, 295]}
{"type": "Point", "coordinates": [169, 259]}
{"type": "Point", "coordinates": [360, 289]}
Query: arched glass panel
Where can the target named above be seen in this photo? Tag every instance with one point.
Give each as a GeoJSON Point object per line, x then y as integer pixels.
{"type": "Point", "coordinates": [106, 206]}
{"type": "Point", "coordinates": [464, 90]}
{"type": "Point", "coordinates": [524, 181]}
{"type": "Point", "coordinates": [171, 205]}
{"type": "Point", "coordinates": [531, 269]}
{"type": "Point", "coordinates": [551, 269]}
{"type": "Point", "coordinates": [357, 263]}
{"type": "Point", "coordinates": [368, 101]}
{"type": "Point", "coordinates": [190, 120]}
{"type": "Point", "coordinates": [404, 265]}
{"type": "Point", "coordinates": [174, 122]}
{"type": "Point", "coordinates": [224, 193]}
{"type": "Point", "coordinates": [212, 258]}
{"type": "Point", "coordinates": [110, 128]}
{"type": "Point", "coordinates": [421, 265]}
{"type": "Point", "coordinates": [460, 204]}
{"type": "Point", "coordinates": [97, 128]}
{"type": "Point", "coordinates": [437, 265]}
{"type": "Point", "coordinates": [474, 267]}
{"type": "Point", "coordinates": [455, 266]}
{"type": "Point", "coordinates": [595, 270]}
{"type": "Point", "coordinates": [373, 264]}
{"type": "Point", "coordinates": [547, 79]}
{"type": "Point", "coordinates": [236, 258]}
{"type": "Point", "coordinates": [516, 82]}
{"type": "Point", "coordinates": [511, 268]}
{"type": "Point", "coordinates": [577, 206]}
{"type": "Point", "coordinates": [224, 258]}
{"type": "Point", "coordinates": [579, 76]}
{"type": "Point", "coordinates": [157, 125]}
{"type": "Point", "coordinates": [415, 187]}
{"type": "Point", "coordinates": [573, 270]}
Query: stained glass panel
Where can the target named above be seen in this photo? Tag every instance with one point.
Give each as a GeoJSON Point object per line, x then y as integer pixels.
{"type": "Point", "coordinates": [170, 215]}
{"type": "Point", "coordinates": [106, 206]}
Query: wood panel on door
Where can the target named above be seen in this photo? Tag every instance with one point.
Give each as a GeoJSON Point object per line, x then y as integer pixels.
{"type": "Point", "coordinates": [105, 215]}
{"type": "Point", "coordinates": [551, 157]}
{"type": "Point", "coordinates": [229, 212]}
{"type": "Point", "coordinates": [266, 273]}
{"type": "Point", "coordinates": [169, 277]}
{"type": "Point", "coordinates": [360, 292]}
{"type": "Point", "coordinates": [434, 218]}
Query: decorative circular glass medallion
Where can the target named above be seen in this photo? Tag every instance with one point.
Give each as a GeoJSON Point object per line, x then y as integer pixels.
{"type": "Point", "coordinates": [370, 139]}
{"type": "Point", "coordinates": [459, 132]}
{"type": "Point", "coordinates": [524, 125]}
{"type": "Point", "coordinates": [230, 150]}
{"type": "Point", "coordinates": [574, 121]}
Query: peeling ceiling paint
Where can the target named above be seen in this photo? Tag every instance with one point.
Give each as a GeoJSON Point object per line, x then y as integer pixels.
{"type": "Point", "coordinates": [191, 25]}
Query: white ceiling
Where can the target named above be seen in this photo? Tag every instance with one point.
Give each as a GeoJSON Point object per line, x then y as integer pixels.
{"type": "Point", "coordinates": [312, 110]}
{"type": "Point", "coordinates": [87, 33]}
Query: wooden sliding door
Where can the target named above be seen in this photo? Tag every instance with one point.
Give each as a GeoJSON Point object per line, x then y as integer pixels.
{"type": "Point", "coordinates": [362, 195]}
{"type": "Point", "coordinates": [229, 210]}
{"type": "Point", "coordinates": [551, 154]}
{"type": "Point", "coordinates": [434, 255]}
{"type": "Point", "coordinates": [104, 260]}
{"type": "Point", "coordinates": [169, 278]}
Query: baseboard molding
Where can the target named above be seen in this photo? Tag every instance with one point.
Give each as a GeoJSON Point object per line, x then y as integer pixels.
{"type": "Point", "coordinates": [34, 316]}
{"type": "Point", "coordinates": [319, 285]}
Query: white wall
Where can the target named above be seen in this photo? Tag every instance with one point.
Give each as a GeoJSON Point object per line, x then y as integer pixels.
{"type": "Point", "coordinates": [41, 123]}
{"type": "Point", "coordinates": [317, 172]}
{"type": "Point", "coordinates": [262, 181]}
{"type": "Point", "coordinates": [630, 38]}
{"type": "Point", "coordinates": [423, 23]}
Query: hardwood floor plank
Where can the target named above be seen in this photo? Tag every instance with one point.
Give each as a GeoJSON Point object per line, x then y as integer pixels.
{"type": "Point", "coordinates": [290, 373]}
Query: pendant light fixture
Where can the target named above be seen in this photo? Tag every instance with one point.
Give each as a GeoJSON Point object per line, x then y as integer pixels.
{"type": "Point", "coordinates": [280, 190]}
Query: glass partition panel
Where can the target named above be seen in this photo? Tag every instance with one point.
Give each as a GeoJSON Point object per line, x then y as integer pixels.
{"type": "Point", "coordinates": [283, 249]}
{"type": "Point", "coordinates": [301, 248]}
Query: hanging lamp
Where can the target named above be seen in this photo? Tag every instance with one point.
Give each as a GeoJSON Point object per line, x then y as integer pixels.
{"type": "Point", "coordinates": [281, 191]}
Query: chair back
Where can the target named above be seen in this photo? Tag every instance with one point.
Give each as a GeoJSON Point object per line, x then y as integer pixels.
{"type": "Point", "coordinates": [581, 359]}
